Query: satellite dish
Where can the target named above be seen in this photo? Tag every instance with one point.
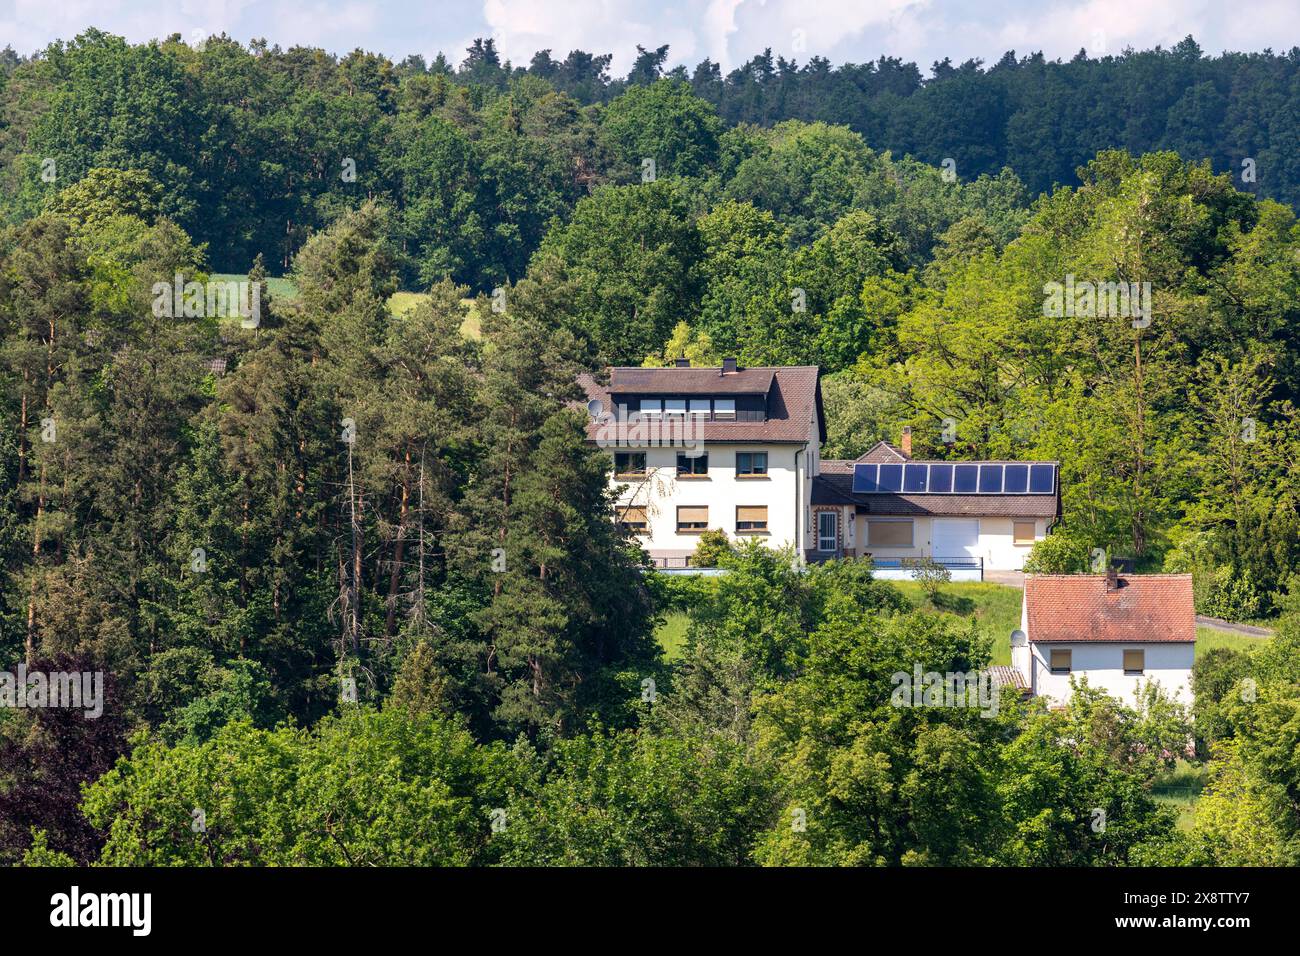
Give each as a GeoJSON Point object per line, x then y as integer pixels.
{"type": "Point", "coordinates": [595, 407]}
{"type": "Point", "coordinates": [1019, 638]}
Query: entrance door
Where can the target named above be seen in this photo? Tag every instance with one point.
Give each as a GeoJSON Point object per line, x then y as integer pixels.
{"type": "Point", "coordinates": [828, 526]}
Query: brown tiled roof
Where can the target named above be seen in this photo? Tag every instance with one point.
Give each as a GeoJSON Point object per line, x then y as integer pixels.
{"type": "Point", "coordinates": [794, 399]}
{"type": "Point", "coordinates": [837, 488]}
{"type": "Point", "coordinates": [1080, 607]}
{"type": "Point", "coordinates": [689, 381]}
{"type": "Point", "coordinates": [882, 451]}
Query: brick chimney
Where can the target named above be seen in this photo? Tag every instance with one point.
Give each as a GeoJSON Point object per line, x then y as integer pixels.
{"type": "Point", "coordinates": [682, 362]}
{"type": "Point", "coordinates": [728, 366]}
{"type": "Point", "coordinates": [905, 443]}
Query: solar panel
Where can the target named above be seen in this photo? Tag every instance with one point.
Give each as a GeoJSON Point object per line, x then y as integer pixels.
{"type": "Point", "coordinates": [940, 479]}
{"type": "Point", "coordinates": [965, 479]}
{"type": "Point", "coordinates": [1042, 479]}
{"type": "Point", "coordinates": [864, 479]}
{"type": "Point", "coordinates": [1015, 479]}
{"type": "Point", "coordinates": [914, 479]}
{"type": "Point", "coordinates": [891, 478]}
{"type": "Point", "coordinates": [990, 479]}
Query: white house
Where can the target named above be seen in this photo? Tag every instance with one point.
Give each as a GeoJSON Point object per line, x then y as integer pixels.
{"type": "Point", "coordinates": [1119, 631]}
{"type": "Point", "coordinates": [971, 516]}
{"type": "Point", "coordinates": [725, 448]}
{"type": "Point", "coordinates": [738, 449]}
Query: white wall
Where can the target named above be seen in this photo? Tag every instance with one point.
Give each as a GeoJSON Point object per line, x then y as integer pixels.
{"type": "Point", "coordinates": [1102, 662]}
{"type": "Point", "coordinates": [996, 543]}
{"type": "Point", "coordinates": [662, 491]}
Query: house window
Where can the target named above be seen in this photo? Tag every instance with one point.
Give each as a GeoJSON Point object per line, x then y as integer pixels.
{"type": "Point", "coordinates": [828, 538]}
{"type": "Point", "coordinates": [632, 518]}
{"type": "Point", "coordinates": [1060, 661]}
{"type": "Point", "coordinates": [651, 407]}
{"type": "Point", "coordinates": [1024, 532]}
{"type": "Point", "coordinates": [751, 464]}
{"type": "Point", "coordinates": [889, 534]}
{"type": "Point", "coordinates": [629, 464]}
{"type": "Point", "coordinates": [724, 409]}
{"type": "Point", "coordinates": [700, 406]}
{"type": "Point", "coordinates": [692, 519]}
{"type": "Point", "coordinates": [696, 467]}
{"type": "Point", "coordinates": [751, 519]}
{"type": "Point", "coordinates": [674, 406]}
{"type": "Point", "coordinates": [1135, 662]}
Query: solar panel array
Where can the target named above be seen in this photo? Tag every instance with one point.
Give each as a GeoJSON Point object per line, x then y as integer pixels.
{"type": "Point", "coordinates": [956, 478]}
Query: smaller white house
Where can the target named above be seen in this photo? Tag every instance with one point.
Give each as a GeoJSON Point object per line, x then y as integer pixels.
{"type": "Point", "coordinates": [1118, 631]}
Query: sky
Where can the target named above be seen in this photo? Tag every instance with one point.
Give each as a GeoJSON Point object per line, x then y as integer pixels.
{"type": "Point", "coordinates": [727, 31]}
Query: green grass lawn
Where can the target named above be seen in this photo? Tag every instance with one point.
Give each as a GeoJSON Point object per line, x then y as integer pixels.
{"type": "Point", "coordinates": [671, 634]}
{"type": "Point", "coordinates": [994, 607]}
{"type": "Point", "coordinates": [1207, 639]}
{"type": "Point", "coordinates": [280, 288]}
{"type": "Point", "coordinates": [1180, 788]}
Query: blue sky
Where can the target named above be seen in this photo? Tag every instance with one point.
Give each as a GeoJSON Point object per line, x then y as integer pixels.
{"type": "Point", "coordinates": [728, 31]}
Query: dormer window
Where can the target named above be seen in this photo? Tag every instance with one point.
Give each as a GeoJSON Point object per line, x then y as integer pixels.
{"type": "Point", "coordinates": [674, 406]}
{"type": "Point", "coordinates": [700, 406]}
{"type": "Point", "coordinates": [724, 409]}
{"type": "Point", "coordinates": [651, 407]}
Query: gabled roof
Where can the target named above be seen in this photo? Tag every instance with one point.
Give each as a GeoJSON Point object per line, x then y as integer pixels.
{"type": "Point", "coordinates": [1083, 607]}
{"type": "Point", "coordinates": [834, 487]}
{"type": "Point", "coordinates": [794, 399]}
{"type": "Point", "coordinates": [882, 451]}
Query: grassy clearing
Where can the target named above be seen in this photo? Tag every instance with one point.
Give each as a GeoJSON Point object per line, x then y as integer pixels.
{"type": "Point", "coordinates": [994, 607]}
{"type": "Point", "coordinates": [1180, 788]}
{"type": "Point", "coordinates": [671, 634]}
{"type": "Point", "coordinates": [280, 288]}
{"type": "Point", "coordinates": [398, 304]}
{"type": "Point", "coordinates": [1207, 639]}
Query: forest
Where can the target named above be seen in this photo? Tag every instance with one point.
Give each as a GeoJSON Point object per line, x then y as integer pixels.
{"type": "Point", "coordinates": [347, 565]}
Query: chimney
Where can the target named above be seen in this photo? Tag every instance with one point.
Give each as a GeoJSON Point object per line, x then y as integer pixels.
{"type": "Point", "coordinates": [728, 365]}
{"type": "Point", "coordinates": [905, 443]}
{"type": "Point", "coordinates": [682, 362]}
{"type": "Point", "coordinates": [1112, 579]}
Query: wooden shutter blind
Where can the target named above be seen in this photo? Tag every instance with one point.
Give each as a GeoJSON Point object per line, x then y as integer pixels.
{"type": "Point", "coordinates": [692, 514]}
{"type": "Point", "coordinates": [1135, 660]}
{"type": "Point", "coordinates": [634, 514]}
{"type": "Point", "coordinates": [889, 534]}
{"type": "Point", "coordinates": [752, 513]}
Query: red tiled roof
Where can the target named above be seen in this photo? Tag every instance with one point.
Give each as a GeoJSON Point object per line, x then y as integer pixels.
{"type": "Point", "coordinates": [1080, 607]}
{"type": "Point", "coordinates": [882, 451]}
{"type": "Point", "coordinates": [793, 401]}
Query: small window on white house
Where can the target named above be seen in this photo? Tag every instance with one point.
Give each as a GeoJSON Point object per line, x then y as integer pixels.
{"type": "Point", "coordinates": [1060, 661]}
{"type": "Point", "coordinates": [1135, 662]}
{"type": "Point", "coordinates": [1023, 532]}
{"type": "Point", "coordinates": [633, 518]}
{"type": "Point", "coordinates": [889, 534]}
{"type": "Point", "coordinates": [751, 519]}
{"type": "Point", "coordinates": [692, 519]}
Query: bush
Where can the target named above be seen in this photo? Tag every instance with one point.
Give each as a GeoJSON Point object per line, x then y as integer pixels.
{"type": "Point", "coordinates": [931, 575]}
{"type": "Point", "coordinates": [1058, 553]}
{"type": "Point", "coordinates": [711, 548]}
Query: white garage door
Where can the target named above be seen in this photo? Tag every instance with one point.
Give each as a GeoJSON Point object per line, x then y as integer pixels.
{"type": "Point", "coordinates": [955, 538]}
